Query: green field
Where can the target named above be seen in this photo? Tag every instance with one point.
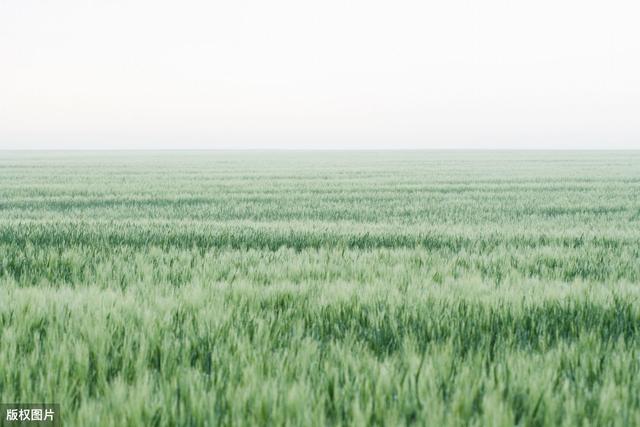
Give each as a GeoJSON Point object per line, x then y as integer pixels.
{"type": "Point", "coordinates": [322, 288]}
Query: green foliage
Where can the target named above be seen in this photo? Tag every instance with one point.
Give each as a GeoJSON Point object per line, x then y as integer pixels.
{"type": "Point", "coordinates": [327, 288]}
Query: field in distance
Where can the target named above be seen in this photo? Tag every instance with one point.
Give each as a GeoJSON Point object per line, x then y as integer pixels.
{"type": "Point", "coordinates": [322, 288]}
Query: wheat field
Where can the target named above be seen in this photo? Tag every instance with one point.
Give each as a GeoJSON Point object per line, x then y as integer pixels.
{"type": "Point", "coordinates": [322, 288]}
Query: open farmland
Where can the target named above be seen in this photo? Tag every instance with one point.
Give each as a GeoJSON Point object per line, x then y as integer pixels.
{"type": "Point", "coordinates": [322, 288]}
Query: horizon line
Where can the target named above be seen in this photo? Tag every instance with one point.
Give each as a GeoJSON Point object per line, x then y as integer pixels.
{"type": "Point", "coordinates": [315, 149]}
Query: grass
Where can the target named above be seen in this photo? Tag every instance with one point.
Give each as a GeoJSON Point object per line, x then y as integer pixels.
{"type": "Point", "coordinates": [326, 288]}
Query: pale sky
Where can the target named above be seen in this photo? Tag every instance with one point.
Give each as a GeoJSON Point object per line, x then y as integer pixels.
{"type": "Point", "coordinates": [323, 74]}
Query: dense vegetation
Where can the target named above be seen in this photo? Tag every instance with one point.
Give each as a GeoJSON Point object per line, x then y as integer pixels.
{"type": "Point", "coordinates": [388, 288]}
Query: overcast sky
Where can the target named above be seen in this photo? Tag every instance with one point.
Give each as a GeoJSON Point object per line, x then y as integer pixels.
{"type": "Point", "coordinates": [323, 74]}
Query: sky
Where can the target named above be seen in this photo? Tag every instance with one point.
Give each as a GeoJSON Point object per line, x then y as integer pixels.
{"type": "Point", "coordinates": [294, 74]}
